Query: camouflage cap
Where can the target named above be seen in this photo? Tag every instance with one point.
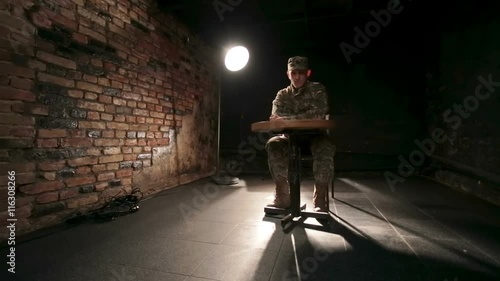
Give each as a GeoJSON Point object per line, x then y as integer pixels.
{"type": "Point", "coordinates": [298, 63]}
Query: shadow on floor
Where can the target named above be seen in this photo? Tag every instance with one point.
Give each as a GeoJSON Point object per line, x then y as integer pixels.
{"type": "Point", "coordinates": [202, 231]}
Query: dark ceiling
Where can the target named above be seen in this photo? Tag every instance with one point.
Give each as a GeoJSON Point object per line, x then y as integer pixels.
{"type": "Point", "coordinates": [286, 24]}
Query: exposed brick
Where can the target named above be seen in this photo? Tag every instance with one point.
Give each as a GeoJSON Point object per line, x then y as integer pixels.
{"type": "Point", "coordinates": [109, 159]}
{"type": "Point", "coordinates": [119, 118]}
{"type": "Point", "coordinates": [98, 168]}
{"type": "Point", "coordinates": [68, 11]}
{"type": "Point", "coordinates": [163, 141]}
{"type": "Point", "coordinates": [82, 201]}
{"type": "Point", "coordinates": [17, 167]}
{"type": "Point", "coordinates": [37, 65]}
{"type": "Point", "coordinates": [130, 142]}
{"type": "Point", "coordinates": [71, 24]}
{"type": "Point", "coordinates": [158, 115]}
{"type": "Point", "coordinates": [78, 37]}
{"type": "Point", "coordinates": [92, 115]}
{"type": "Point", "coordinates": [49, 176]}
{"type": "Point", "coordinates": [127, 181]}
{"type": "Point", "coordinates": [141, 112]}
{"type": "Point", "coordinates": [47, 143]}
{"type": "Point", "coordinates": [79, 2]}
{"type": "Point", "coordinates": [131, 96]}
{"type": "Point", "coordinates": [151, 100]}
{"type": "Point", "coordinates": [120, 102]}
{"type": "Point", "coordinates": [112, 166]}
{"type": "Point", "coordinates": [82, 161]}
{"type": "Point", "coordinates": [17, 107]}
{"type": "Point", "coordinates": [41, 186]}
{"type": "Point", "coordinates": [106, 117]}
{"type": "Point", "coordinates": [101, 186]}
{"type": "Point", "coordinates": [16, 119]}
{"type": "Point", "coordinates": [106, 176]}
{"type": "Point", "coordinates": [7, 93]}
{"type": "Point", "coordinates": [37, 109]}
{"type": "Point", "coordinates": [90, 78]}
{"type": "Point", "coordinates": [83, 170]}
{"type": "Point", "coordinates": [109, 108]}
{"type": "Point", "coordinates": [47, 197]}
{"type": "Point", "coordinates": [16, 143]}
{"type": "Point", "coordinates": [22, 132]}
{"type": "Point", "coordinates": [12, 21]}
{"type": "Point", "coordinates": [75, 94]}
{"type": "Point", "coordinates": [106, 142]}
{"type": "Point", "coordinates": [77, 142]}
{"type": "Point", "coordinates": [76, 181]}
{"type": "Point", "coordinates": [130, 157]}
{"type": "Point", "coordinates": [116, 125]}
{"type": "Point", "coordinates": [94, 151]}
{"type": "Point", "coordinates": [44, 77]}
{"type": "Point", "coordinates": [91, 105]}
{"type": "Point", "coordinates": [41, 18]}
{"type": "Point", "coordinates": [109, 134]}
{"type": "Point", "coordinates": [4, 80]}
{"type": "Point", "coordinates": [91, 125]}
{"type": "Point", "coordinates": [89, 87]}
{"type": "Point", "coordinates": [120, 134]}
{"type": "Point", "coordinates": [51, 166]}
{"type": "Point", "coordinates": [112, 150]}
{"type": "Point", "coordinates": [88, 188]}
{"type": "Point", "coordinates": [20, 83]}
{"type": "Point", "coordinates": [68, 193]}
{"type": "Point", "coordinates": [56, 60]}
{"type": "Point", "coordinates": [52, 133]}
{"type": "Point", "coordinates": [105, 99]}
{"type": "Point", "coordinates": [116, 84]}
{"type": "Point", "coordinates": [103, 81]}
{"type": "Point", "coordinates": [124, 173]}
{"type": "Point", "coordinates": [86, 31]}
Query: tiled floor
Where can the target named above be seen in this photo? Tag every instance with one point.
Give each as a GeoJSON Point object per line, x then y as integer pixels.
{"type": "Point", "coordinates": [201, 231]}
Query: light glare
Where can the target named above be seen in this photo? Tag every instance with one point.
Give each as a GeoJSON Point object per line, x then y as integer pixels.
{"type": "Point", "coordinates": [236, 58]}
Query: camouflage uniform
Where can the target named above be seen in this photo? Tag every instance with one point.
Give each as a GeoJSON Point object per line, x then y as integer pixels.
{"type": "Point", "coordinates": [308, 102]}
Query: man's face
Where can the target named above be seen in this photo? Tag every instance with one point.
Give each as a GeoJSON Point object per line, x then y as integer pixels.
{"type": "Point", "coordinates": [298, 77]}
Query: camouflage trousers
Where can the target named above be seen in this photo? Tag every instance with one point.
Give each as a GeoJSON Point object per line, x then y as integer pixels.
{"type": "Point", "coordinates": [322, 150]}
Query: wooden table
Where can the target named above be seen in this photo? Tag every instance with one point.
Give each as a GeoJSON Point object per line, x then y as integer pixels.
{"type": "Point", "coordinates": [294, 128]}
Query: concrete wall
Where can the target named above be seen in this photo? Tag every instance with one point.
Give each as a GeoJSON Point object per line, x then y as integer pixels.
{"type": "Point", "coordinates": [95, 97]}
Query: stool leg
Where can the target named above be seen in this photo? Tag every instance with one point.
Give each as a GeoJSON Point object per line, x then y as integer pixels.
{"type": "Point", "coordinates": [327, 199]}
{"type": "Point", "coordinates": [332, 188]}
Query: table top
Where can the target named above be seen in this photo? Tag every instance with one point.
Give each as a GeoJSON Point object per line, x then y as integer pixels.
{"type": "Point", "coordinates": [287, 125]}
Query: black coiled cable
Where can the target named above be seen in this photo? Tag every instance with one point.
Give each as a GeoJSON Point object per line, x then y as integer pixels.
{"type": "Point", "coordinates": [115, 206]}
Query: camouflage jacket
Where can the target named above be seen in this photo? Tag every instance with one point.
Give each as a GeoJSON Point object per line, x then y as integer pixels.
{"type": "Point", "coordinates": [308, 102]}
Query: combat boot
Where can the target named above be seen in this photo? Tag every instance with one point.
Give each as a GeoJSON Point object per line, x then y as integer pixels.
{"type": "Point", "coordinates": [319, 198]}
{"type": "Point", "coordinates": [281, 194]}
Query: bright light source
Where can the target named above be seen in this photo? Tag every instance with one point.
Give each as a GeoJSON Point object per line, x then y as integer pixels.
{"type": "Point", "coordinates": [236, 58]}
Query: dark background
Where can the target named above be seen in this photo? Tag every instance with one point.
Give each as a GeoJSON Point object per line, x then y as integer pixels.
{"type": "Point", "coordinates": [389, 95]}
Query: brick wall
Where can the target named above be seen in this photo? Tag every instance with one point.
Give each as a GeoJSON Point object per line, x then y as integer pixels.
{"type": "Point", "coordinates": [465, 50]}
{"type": "Point", "coordinates": [95, 97]}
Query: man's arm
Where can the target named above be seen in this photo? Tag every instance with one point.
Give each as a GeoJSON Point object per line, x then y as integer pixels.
{"type": "Point", "coordinates": [279, 107]}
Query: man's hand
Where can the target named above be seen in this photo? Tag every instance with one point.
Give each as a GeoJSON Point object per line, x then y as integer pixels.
{"type": "Point", "coordinates": [277, 117]}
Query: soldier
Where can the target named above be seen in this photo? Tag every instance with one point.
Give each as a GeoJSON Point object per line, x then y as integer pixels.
{"type": "Point", "coordinates": [303, 99]}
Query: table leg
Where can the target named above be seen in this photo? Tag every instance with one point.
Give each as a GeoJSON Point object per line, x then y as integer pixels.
{"type": "Point", "coordinates": [294, 174]}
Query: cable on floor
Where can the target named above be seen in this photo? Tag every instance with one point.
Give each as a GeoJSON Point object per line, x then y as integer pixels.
{"type": "Point", "coordinates": [116, 206]}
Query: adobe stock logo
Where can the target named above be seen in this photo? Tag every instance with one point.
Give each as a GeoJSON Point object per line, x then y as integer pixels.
{"type": "Point", "coordinates": [221, 7]}
{"type": "Point", "coordinates": [372, 29]}
{"type": "Point", "coordinates": [427, 146]}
